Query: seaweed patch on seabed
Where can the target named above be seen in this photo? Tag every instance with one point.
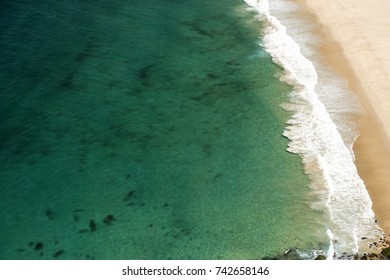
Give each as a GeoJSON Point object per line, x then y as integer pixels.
{"type": "Point", "coordinates": [207, 149]}
{"type": "Point", "coordinates": [109, 219]}
{"type": "Point", "coordinates": [50, 214]}
{"type": "Point", "coordinates": [197, 28]}
{"type": "Point", "coordinates": [144, 74]}
{"type": "Point", "coordinates": [87, 51]}
{"type": "Point", "coordinates": [129, 195]}
{"type": "Point", "coordinates": [38, 246]}
{"type": "Point", "coordinates": [67, 82]}
{"type": "Point", "coordinates": [92, 225]}
{"type": "Point", "coordinates": [58, 253]}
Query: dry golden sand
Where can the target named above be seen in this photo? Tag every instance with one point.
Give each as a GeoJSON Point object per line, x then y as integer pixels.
{"type": "Point", "coordinates": [357, 44]}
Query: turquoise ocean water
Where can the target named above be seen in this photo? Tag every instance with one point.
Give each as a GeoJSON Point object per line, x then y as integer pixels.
{"type": "Point", "coordinates": [145, 129]}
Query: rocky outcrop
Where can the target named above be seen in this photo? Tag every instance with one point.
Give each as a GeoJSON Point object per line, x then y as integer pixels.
{"type": "Point", "coordinates": [386, 253]}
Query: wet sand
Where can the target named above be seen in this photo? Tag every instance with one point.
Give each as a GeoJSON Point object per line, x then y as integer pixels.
{"type": "Point", "coordinates": [356, 43]}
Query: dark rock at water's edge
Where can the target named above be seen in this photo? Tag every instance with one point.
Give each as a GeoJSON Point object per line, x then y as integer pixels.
{"type": "Point", "coordinates": [386, 253]}
{"type": "Point", "coordinates": [295, 254]}
{"type": "Point", "coordinates": [292, 254]}
{"type": "Point", "coordinates": [382, 244]}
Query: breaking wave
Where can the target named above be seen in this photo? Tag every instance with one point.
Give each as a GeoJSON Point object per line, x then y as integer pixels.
{"type": "Point", "coordinates": [320, 133]}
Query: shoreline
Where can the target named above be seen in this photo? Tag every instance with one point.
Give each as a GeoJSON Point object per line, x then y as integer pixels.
{"type": "Point", "coordinates": [350, 51]}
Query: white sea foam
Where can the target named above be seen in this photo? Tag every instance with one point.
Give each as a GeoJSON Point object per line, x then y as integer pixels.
{"type": "Point", "coordinates": [322, 130]}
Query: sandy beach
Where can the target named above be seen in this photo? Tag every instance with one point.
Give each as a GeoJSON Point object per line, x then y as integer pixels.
{"type": "Point", "coordinates": [356, 43]}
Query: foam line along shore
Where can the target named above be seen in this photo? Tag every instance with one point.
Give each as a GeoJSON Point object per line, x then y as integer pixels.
{"type": "Point", "coordinates": [321, 132]}
{"type": "Point", "coordinates": [356, 44]}
{"type": "Point", "coordinates": [146, 130]}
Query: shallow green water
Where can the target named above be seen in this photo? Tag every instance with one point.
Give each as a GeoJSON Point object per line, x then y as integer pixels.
{"type": "Point", "coordinates": [163, 114]}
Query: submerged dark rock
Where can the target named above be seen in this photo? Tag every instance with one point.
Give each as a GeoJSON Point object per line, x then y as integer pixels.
{"type": "Point", "coordinates": [320, 257]}
{"type": "Point", "coordinates": [92, 225]}
{"type": "Point", "coordinates": [58, 253]}
{"type": "Point", "coordinates": [144, 74]}
{"type": "Point", "coordinates": [50, 214]}
{"type": "Point", "coordinates": [38, 246]}
{"type": "Point", "coordinates": [129, 195]}
{"type": "Point", "coordinates": [108, 220]}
